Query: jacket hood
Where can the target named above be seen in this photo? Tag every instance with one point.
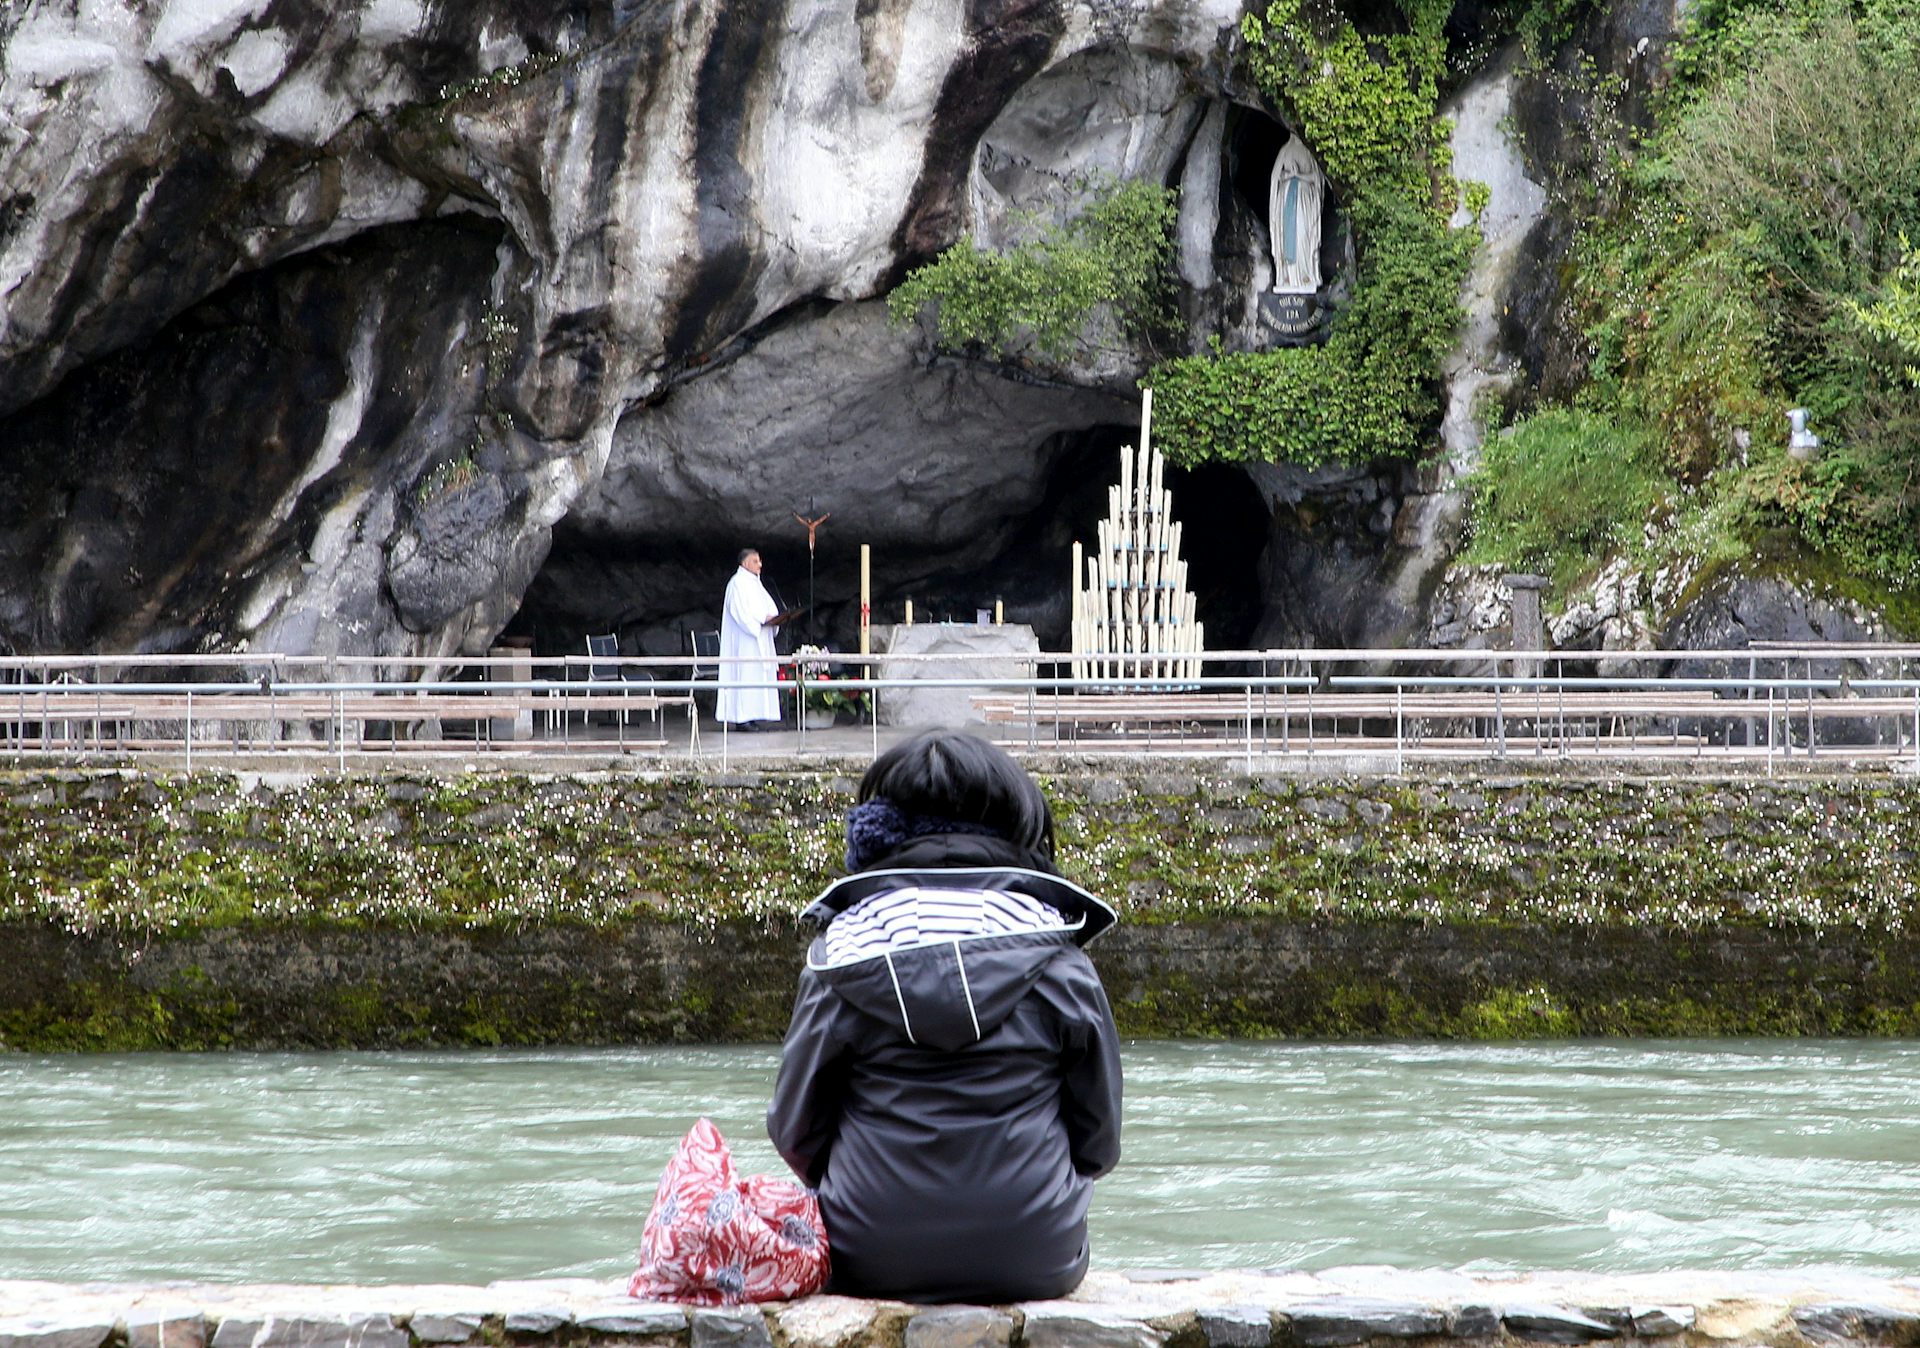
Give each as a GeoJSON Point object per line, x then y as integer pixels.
{"type": "Point", "coordinates": [946, 994]}
{"type": "Point", "coordinates": [966, 861]}
{"type": "Point", "coordinates": [950, 991]}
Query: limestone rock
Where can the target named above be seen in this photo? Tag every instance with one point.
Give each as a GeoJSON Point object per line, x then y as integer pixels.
{"type": "Point", "coordinates": [366, 330]}
{"type": "Point", "coordinates": [1473, 1322]}
{"type": "Point", "coordinates": [300, 1331]}
{"type": "Point", "coordinates": [1868, 1323]}
{"type": "Point", "coordinates": [497, 235]}
{"type": "Point", "coordinates": [1655, 1322]}
{"type": "Point", "coordinates": [1237, 1327]}
{"type": "Point", "coordinates": [826, 1321]}
{"type": "Point", "coordinates": [1554, 1324]}
{"type": "Point", "coordinates": [53, 1334]}
{"type": "Point", "coordinates": [538, 1320]}
{"type": "Point", "coordinates": [636, 1318]}
{"type": "Point", "coordinates": [738, 1327]}
{"type": "Point", "coordinates": [1346, 1320]}
{"type": "Point", "coordinates": [1059, 1325]}
{"type": "Point", "coordinates": [166, 1329]}
{"type": "Point", "coordinates": [959, 1327]}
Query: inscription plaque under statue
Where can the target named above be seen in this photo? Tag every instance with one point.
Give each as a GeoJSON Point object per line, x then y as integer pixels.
{"type": "Point", "coordinates": [1295, 315]}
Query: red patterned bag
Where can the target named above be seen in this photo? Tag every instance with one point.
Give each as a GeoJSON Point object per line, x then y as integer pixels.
{"type": "Point", "coordinates": [714, 1239]}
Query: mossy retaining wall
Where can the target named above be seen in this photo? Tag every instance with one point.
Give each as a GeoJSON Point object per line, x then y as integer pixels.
{"type": "Point", "coordinates": [192, 912]}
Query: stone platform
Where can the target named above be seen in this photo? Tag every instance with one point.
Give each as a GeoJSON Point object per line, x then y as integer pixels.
{"type": "Point", "coordinates": [1385, 1307]}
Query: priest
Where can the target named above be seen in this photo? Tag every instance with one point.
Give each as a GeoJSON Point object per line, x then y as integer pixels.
{"type": "Point", "coordinates": [748, 699]}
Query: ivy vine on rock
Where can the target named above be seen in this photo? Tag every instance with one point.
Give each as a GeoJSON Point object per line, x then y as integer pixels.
{"type": "Point", "coordinates": [1089, 283]}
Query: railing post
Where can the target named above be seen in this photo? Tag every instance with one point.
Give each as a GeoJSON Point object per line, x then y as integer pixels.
{"type": "Point", "coordinates": [1499, 713]}
{"type": "Point", "coordinates": [1306, 667]}
{"type": "Point", "coordinates": [189, 730]}
{"type": "Point", "coordinates": [1560, 702]}
{"type": "Point", "coordinates": [1249, 727]}
{"type": "Point", "coordinates": [1399, 729]}
{"type": "Point", "coordinates": [1810, 723]}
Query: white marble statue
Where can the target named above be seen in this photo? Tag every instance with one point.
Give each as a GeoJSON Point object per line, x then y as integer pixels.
{"type": "Point", "coordinates": [1293, 219]}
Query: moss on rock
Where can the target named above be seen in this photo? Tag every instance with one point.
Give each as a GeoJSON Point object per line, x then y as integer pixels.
{"type": "Point", "coordinates": [202, 912]}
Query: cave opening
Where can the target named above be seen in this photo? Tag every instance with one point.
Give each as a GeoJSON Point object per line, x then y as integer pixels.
{"type": "Point", "coordinates": [653, 592]}
{"type": "Point", "coordinates": [1253, 143]}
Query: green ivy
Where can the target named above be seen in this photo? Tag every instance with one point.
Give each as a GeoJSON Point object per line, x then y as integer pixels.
{"type": "Point", "coordinates": [1894, 318]}
{"type": "Point", "coordinates": [1090, 282]}
{"type": "Point", "coordinates": [1367, 107]}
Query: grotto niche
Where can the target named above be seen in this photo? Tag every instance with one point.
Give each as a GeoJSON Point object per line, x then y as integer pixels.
{"type": "Point", "coordinates": [1275, 177]}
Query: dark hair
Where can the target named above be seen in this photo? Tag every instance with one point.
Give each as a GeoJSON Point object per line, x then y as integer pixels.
{"type": "Point", "coordinates": [745, 553]}
{"type": "Point", "coordinates": [949, 775]}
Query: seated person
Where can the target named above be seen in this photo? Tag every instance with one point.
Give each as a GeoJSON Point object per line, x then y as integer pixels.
{"type": "Point", "coordinates": [951, 1077]}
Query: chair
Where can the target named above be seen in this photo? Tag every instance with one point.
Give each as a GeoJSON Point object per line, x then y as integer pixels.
{"type": "Point", "coordinates": [604, 667]}
{"type": "Point", "coordinates": [704, 647]}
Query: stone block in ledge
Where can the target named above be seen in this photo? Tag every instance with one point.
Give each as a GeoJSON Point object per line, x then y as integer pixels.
{"type": "Point", "coordinates": [166, 1329]}
{"type": "Point", "coordinates": [832, 1322]}
{"type": "Point", "coordinates": [1554, 1324]}
{"type": "Point", "coordinates": [1657, 1322]}
{"type": "Point", "coordinates": [1473, 1322]}
{"type": "Point", "coordinates": [1876, 1324]}
{"type": "Point", "coordinates": [1237, 1326]}
{"type": "Point", "coordinates": [302, 1331]}
{"type": "Point", "coordinates": [534, 1320]}
{"type": "Point", "coordinates": [960, 1327]}
{"type": "Point", "coordinates": [53, 1334]}
{"type": "Point", "coordinates": [433, 1328]}
{"type": "Point", "coordinates": [1334, 1321]}
{"type": "Point", "coordinates": [634, 1319]}
{"type": "Point", "coordinates": [1061, 1324]}
{"type": "Point", "coordinates": [732, 1327]}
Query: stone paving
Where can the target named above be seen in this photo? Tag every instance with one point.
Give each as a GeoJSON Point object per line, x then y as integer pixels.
{"type": "Point", "coordinates": [1141, 1309]}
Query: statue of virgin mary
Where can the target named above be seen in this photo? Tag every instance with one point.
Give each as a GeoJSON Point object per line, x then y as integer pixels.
{"type": "Point", "coordinates": [1293, 219]}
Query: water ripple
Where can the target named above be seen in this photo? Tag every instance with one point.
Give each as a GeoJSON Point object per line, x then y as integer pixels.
{"type": "Point", "coordinates": [468, 1166]}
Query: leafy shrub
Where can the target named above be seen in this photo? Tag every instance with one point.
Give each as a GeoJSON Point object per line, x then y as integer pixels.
{"type": "Point", "coordinates": [1760, 261]}
{"type": "Point", "coordinates": [1094, 280]}
{"type": "Point", "coordinates": [1560, 491]}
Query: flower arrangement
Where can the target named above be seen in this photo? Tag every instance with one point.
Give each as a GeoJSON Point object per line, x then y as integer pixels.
{"type": "Point", "coordinates": [816, 668]}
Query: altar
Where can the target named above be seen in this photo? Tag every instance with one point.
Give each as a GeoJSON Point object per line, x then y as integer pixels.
{"type": "Point", "coordinates": [992, 651]}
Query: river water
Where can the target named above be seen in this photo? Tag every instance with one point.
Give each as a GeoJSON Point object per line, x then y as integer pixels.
{"type": "Point", "coordinates": [470, 1166]}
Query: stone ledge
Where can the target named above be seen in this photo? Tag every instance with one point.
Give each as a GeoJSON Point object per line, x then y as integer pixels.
{"type": "Point", "coordinates": [1335, 1308]}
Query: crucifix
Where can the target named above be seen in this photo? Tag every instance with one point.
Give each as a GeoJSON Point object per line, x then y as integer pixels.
{"type": "Point", "coordinates": [813, 535]}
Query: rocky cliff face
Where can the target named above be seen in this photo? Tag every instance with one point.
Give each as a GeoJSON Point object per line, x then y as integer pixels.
{"type": "Point", "coordinates": [373, 329]}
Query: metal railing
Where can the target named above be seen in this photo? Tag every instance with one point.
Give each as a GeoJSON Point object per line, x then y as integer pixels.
{"type": "Point", "coordinates": [1844, 704]}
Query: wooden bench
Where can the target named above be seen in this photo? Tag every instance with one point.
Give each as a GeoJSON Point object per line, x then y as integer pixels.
{"type": "Point", "coordinates": [1151, 716]}
{"type": "Point", "coordinates": [97, 709]}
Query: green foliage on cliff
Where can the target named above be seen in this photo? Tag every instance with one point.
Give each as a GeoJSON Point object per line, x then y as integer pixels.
{"type": "Point", "coordinates": [1894, 317]}
{"type": "Point", "coordinates": [1092, 281]}
{"type": "Point", "coordinates": [1757, 260]}
{"type": "Point", "coordinates": [1561, 488]}
{"type": "Point", "coordinates": [1365, 103]}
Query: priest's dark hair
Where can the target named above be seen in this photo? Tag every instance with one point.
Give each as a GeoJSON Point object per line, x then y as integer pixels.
{"type": "Point", "coordinates": [745, 553]}
{"type": "Point", "coordinates": [946, 774]}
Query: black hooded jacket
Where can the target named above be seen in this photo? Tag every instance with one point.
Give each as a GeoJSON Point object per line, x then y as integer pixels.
{"type": "Point", "coordinates": [954, 1101]}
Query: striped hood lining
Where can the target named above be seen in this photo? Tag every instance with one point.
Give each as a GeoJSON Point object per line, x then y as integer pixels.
{"type": "Point", "coordinates": [1082, 915]}
{"type": "Point", "coordinates": [905, 919]}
